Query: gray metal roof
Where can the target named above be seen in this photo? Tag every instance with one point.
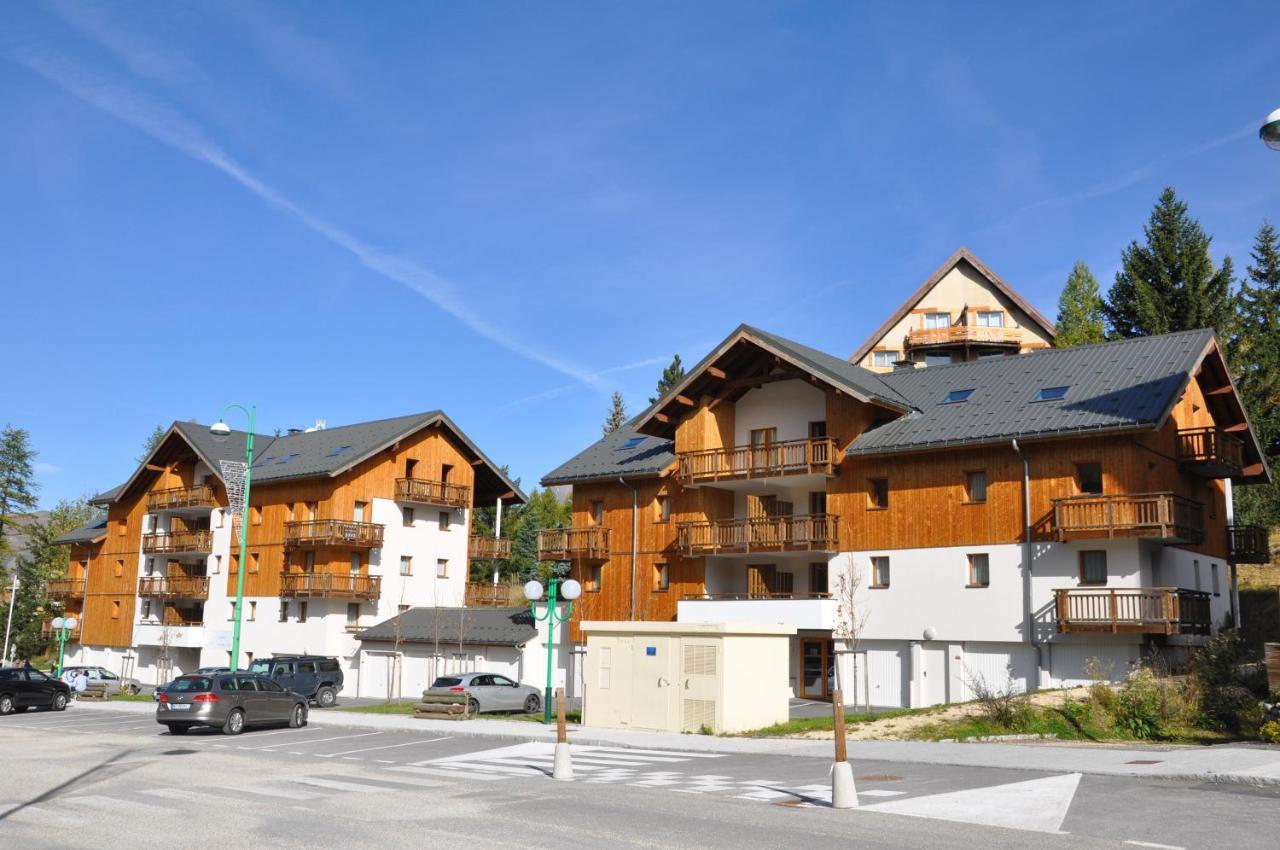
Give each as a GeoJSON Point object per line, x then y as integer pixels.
{"type": "Point", "coordinates": [106, 497]}
{"type": "Point", "coordinates": [606, 459]}
{"type": "Point", "coordinates": [94, 529]}
{"type": "Point", "coordinates": [835, 370]}
{"type": "Point", "coordinates": [477, 627]}
{"type": "Point", "coordinates": [1127, 384]}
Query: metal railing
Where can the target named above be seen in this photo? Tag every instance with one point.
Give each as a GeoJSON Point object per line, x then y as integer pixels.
{"type": "Point", "coordinates": [176, 498]}
{"type": "Point", "coordinates": [338, 585]}
{"type": "Point", "coordinates": [428, 492]}
{"type": "Point", "coordinates": [816, 455]}
{"type": "Point", "coordinates": [333, 532]}
{"type": "Point", "coordinates": [173, 542]}
{"type": "Point", "coordinates": [589, 542]}
{"type": "Point", "coordinates": [1158, 610]}
{"type": "Point", "coordinates": [816, 532]}
{"type": "Point", "coordinates": [1164, 516]}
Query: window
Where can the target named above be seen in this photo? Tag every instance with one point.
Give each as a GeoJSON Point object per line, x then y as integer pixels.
{"type": "Point", "coordinates": [597, 513]}
{"type": "Point", "coordinates": [302, 612]}
{"type": "Point", "coordinates": [592, 583]}
{"type": "Point", "coordinates": [975, 486]}
{"type": "Point", "coordinates": [406, 517]}
{"type": "Point", "coordinates": [356, 562]}
{"type": "Point", "coordinates": [937, 359]}
{"type": "Point", "coordinates": [817, 503]}
{"type": "Point", "coordinates": [406, 565]}
{"type": "Point", "coordinates": [235, 564]}
{"type": "Point", "coordinates": [990, 319]}
{"type": "Point", "coordinates": [631, 443]}
{"type": "Point", "coordinates": [957, 396]}
{"type": "Point", "coordinates": [291, 511]}
{"type": "Point", "coordinates": [146, 609]}
{"type": "Point", "coordinates": [442, 567]}
{"type": "Point", "coordinates": [1051, 393]}
{"type": "Point", "coordinates": [661, 577]}
{"type": "Point", "coordinates": [936, 320]}
{"type": "Point", "coordinates": [1195, 570]}
{"type": "Point", "coordinates": [253, 562]}
{"type": "Point", "coordinates": [885, 358]}
{"type": "Point", "coordinates": [119, 568]}
{"type": "Point", "coordinates": [761, 437]}
{"type": "Point", "coordinates": [1089, 478]}
{"type": "Point", "coordinates": [878, 493]}
{"type": "Point", "coordinates": [980, 570]}
{"type": "Point", "coordinates": [339, 450]}
{"type": "Point", "coordinates": [284, 610]}
{"type": "Point", "coordinates": [1213, 578]}
{"type": "Point", "coordinates": [817, 430]}
{"type": "Point", "coordinates": [444, 520]}
{"type": "Point", "coordinates": [663, 509]}
{"type": "Point", "coordinates": [409, 466]}
{"type": "Point", "coordinates": [1093, 567]}
{"type": "Point", "coordinates": [255, 514]}
{"type": "Point", "coordinates": [253, 611]}
{"type": "Point", "coordinates": [818, 578]}
{"type": "Point", "coordinates": [231, 610]}
{"type": "Point", "coordinates": [359, 511]}
{"type": "Point", "coordinates": [309, 562]}
{"type": "Point", "coordinates": [353, 613]}
{"type": "Point", "coordinates": [150, 567]}
{"type": "Point", "coordinates": [222, 517]}
{"type": "Point", "coordinates": [880, 571]}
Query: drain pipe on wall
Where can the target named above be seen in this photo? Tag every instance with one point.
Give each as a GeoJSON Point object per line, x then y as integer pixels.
{"type": "Point", "coordinates": [1027, 554]}
{"type": "Point", "coordinates": [635, 535]}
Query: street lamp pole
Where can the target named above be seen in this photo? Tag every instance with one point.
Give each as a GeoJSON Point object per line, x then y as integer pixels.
{"type": "Point", "coordinates": [8, 626]}
{"type": "Point", "coordinates": [570, 591]}
{"type": "Point", "coordinates": [221, 431]}
{"type": "Point", "coordinates": [64, 625]}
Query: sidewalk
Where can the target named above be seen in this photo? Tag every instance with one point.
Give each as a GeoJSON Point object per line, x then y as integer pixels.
{"type": "Point", "coordinates": [1248, 764]}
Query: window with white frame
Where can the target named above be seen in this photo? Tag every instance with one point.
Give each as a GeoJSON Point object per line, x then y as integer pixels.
{"type": "Point", "coordinates": [885, 358]}
{"type": "Point", "coordinates": [406, 565]}
{"type": "Point", "coordinates": [933, 321]}
{"type": "Point", "coordinates": [979, 570]}
{"type": "Point", "coordinates": [442, 567]}
{"type": "Point", "coordinates": [990, 319]}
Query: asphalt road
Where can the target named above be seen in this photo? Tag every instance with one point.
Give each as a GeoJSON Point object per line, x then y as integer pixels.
{"type": "Point", "coordinates": [109, 778]}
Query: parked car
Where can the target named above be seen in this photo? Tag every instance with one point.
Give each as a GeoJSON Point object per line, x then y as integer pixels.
{"type": "Point", "coordinates": [101, 676]}
{"type": "Point", "coordinates": [489, 692]}
{"type": "Point", "coordinates": [159, 689]}
{"type": "Point", "coordinates": [316, 677]}
{"type": "Point", "coordinates": [228, 701]}
{"type": "Point", "coordinates": [24, 687]}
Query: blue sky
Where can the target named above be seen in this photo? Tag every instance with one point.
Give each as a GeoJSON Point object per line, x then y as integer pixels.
{"type": "Point", "coordinates": [351, 211]}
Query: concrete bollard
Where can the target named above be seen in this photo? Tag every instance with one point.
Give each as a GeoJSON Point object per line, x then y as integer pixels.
{"type": "Point", "coordinates": [843, 793]}
{"type": "Point", "coordinates": [563, 769]}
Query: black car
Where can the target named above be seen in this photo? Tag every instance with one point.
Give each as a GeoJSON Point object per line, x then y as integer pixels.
{"type": "Point", "coordinates": [316, 677]}
{"type": "Point", "coordinates": [25, 687]}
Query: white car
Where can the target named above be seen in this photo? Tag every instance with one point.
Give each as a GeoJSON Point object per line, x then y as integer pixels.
{"type": "Point", "coordinates": [102, 676]}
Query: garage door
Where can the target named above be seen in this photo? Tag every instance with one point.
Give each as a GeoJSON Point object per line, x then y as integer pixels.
{"type": "Point", "coordinates": [377, 673]}
{"type": "Point", "coordinates": [885, 669]}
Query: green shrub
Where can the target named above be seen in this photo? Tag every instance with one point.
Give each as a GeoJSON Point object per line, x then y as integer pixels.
{"type": "Point", "coordinates": [1139, 705]}
{"type": "Point", "coordinates": [1227, 698]}
{"type": "Point", "coordinates": [1269, 732]}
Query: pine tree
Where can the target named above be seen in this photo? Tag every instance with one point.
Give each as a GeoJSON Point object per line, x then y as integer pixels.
{"type": "Point", "coordinates": [1080, 317]}
{"type": "Point", "coordinates": [1170, 284]}
{"type": "Point", "coordinates": [617, 414]}
{"type": "Point", "coordinates": [17, 480]}
{"type": "Point", "coordinates": [1255, 355]}
{"type": "Point", "coordinates": [671, 376]}
{"type": "Point", "coordinates": [150, 445]}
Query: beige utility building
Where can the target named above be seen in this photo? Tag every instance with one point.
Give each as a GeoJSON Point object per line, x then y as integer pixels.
{"type": "Point", "coordinates": [686, 677]}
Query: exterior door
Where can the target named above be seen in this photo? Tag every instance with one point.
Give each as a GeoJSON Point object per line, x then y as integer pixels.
{"type": "Point", "coordinates": [653, 679]}
{"type": "Point", "coordinates": [761, 579]}
{"type": "Point", "coordinates": [762, 440]}
{"type": "Point", "coordinates": [816, 658]}
{"type": "Point", "coordinates": [933, 673]}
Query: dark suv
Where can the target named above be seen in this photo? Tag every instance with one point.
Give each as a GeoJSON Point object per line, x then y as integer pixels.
{"type": "Point", "coordinates": [316, 677]}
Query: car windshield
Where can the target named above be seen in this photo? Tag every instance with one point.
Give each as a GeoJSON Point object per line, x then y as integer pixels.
{"type": "Point", "coordinates": [260, 667]}
{"type": "Point", "coordinates": [446, 682]}
{"type": "Point", "coordinates": [191, 684]}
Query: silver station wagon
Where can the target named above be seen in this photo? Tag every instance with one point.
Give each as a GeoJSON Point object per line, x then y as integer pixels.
{"type": "Point", "coordinates": [228, 701]}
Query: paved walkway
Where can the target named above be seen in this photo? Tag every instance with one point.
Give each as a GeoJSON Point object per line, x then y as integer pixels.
{"type": "Point", "coordinates": [1250, 764]}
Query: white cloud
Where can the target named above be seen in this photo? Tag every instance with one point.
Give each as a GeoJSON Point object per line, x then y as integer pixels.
{"type": "Point", "coordinates": [46, 468]}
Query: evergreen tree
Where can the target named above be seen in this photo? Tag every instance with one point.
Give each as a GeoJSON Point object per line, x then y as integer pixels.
{"type": "Point", "coordinates": [1080, 318]}
{"type": "Point", "coordinates": [617, 414]}
{"type": "Point", "coordinates": [1170, 283]}
{"type": "Point", "coordinates": [1255, 355]}
{"type": "Point", "coordinates": [17, 480]}
{"type": "Point", "coordinates": [671, 376]}
{"type": "Point", "coordinates": [152, 441]}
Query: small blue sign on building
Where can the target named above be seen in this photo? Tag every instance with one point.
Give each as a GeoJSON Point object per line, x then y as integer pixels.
{"type": "Point", "coordinates": [650, 650]}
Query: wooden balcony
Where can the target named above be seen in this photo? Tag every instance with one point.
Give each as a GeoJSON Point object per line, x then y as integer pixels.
{"type": "Point", "coordinates": [482, 594]}
{"type": "Point", "coordinates": [183, 617]}
{"type": "Point", "coordinates": [1156, 516]}
{"type": "Point", "coordinates": [183, 587]}
{"type": "Point", "coordinates": [178, 543]}
{"type": "Point", "coordinates": [1145, 610]}
{"type": "Point", "coordinates": [489, 548]}
{"type": "Point", "coordinates": [347, 534]}
{"type": "Point", "coordinates": [961, 335]}
{"type": "Point", "coordinates": [1210, 452]}
{"type": "Point", "coordinates": [816, 456]}
{"type": "Point", "coordinates": [816, 533]}
{"type": "Point", "coordinates": [587, 543]}
{"type": "Point", "coordinates": [1249, 544]}
{"type": "Point", "coordinates": [427, 492]}
{"type": "Point", "coordinates": [65, 588]}
{"type": "Point", "coordinates": [330, 586]}
{"type": "Point", "coordinates": [48, 632]}
{"type": "Point", "coordinates": [181, 498]}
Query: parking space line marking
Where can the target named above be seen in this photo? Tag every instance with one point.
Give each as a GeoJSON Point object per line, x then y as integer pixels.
{"type": "Point", "coordinates": [307, 743]}
{"type": "Point", "coordinates": [338, 785]}
{"type": "Point", "coordinates": [276, 791]}
{"type": "Point", "coordinates": [115, 804]}
{"type": "Point", "coordinates": [453, 774]}
{"type": "Point", "coordinates": [390, 746]}
{"type": "Point", "coordinates": [253, 736]}
{"type": "Point", "coordinates": [1153, 844]}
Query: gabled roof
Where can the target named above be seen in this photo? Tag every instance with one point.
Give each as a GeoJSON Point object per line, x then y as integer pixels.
{"type": "Point", "coordinates": [91, 532]}
{"type": "Point", "coordinates": [606, 459]}
{"type": "Point", "coordinates": [475, 627]}
{"type": "Point", "coordinates": [106, 497]}
{"type": "Point", "coordinates": [963, 254]}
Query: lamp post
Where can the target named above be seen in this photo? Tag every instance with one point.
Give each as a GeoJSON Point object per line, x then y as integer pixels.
{"type": "Point", "coordinates": [64, 625]}
{"type": "Point", "coordinates": [1269, 132]}
{"type": "Point", "coordinates": [221, 431]}
{"type": "Point", "coordinates": [569, 591]}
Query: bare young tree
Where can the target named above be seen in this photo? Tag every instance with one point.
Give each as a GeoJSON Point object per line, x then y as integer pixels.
{"type": "Point", "coordinates": [850, 619]}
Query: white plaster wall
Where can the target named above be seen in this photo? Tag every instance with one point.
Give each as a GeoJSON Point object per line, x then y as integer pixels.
{"type": "Point", "coordinates": [1174, 567]}
{"type": "Point", "coordinates": [788, 406]}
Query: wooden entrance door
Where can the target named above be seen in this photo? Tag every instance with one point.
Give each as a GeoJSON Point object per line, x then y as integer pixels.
{"type": "Point", "coordinates": [816, 657]}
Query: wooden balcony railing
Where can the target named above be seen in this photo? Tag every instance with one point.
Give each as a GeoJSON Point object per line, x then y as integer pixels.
{"type": "Point", "coordinates": [348, 534]}
{"type": "Point", "coordinates": [494, 548]}
{"type": "Point", "coordinates": [810, 533]}
{"type": "Point", "coordinates": [429, 492]}
{"type": "Point", "coordinates": [185, 587]}
{"type": "Point", "coordinates": [178, 498]}
{"type": "Point", "coordinates": [177, 542]}
{"type": "Point", "coordinates": [1250, 544]}
{"type": "Point", "coordinates": [774, 460]}
{"type": "Point", "coordinates": [330, 585]}
{"type": "Point", "coordinates": [740, 597]}
{"type": "Point", "coordinates": [1158, 516]}
{"type": "Point", "coordinates": [589, 543]}
{"type": "Point", "coordinates": [482, 594]}
{"type": "Point", "coordinates": [48, 632]}
{"type": "Point", "coordinates": [186, 617]}
{"type": "Point", "coordinates": [1210, 452]}
{"type": "Point", "coordinates": [963, 335]}
{"type": "Point", "coordinates": [65, 588]}
{"type": "Point", "coordinates": [1146, 610]}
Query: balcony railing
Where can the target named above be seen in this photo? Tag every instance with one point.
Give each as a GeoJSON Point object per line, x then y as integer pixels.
{"type": "Point", "coordinates": [482, 594]}
{"type": "Point", "coordinates": [48, 632]}
{"type": "Point", "coordinates": [65, 588]}
{"type": "Point", "coordinates": [963, 335]}
{"type": "Point", "coordinates": [332, 585]}
{"type": "Point", "coordinates": [816, 456]}
{"type": "Point", "coordinates": [1158, 516]}
{"type": "Point", "coordinates": [815, 533]}
{"type": "Point", "coordinates": [494, 548]}
{"type": "Point", "coordinates": [185, 587]}
{"type": "Point", "coordinates": [184, 617]}
{"type": "Point", "coordinates": [178, 542]}
{"type": "Point", "coordinates": [1210, 452]}
{"type": "Point", "coordinates": [332, 532]}
{"type": "Point", "coordinates": [427, 492]}
{"type": "Point", "coordinates": [1250, 544]}
{"type": "Point", "coordinates": [179, 498]}
{"type": "Point", "coordinates": [1147, 610]}
{"type": "Point", "coordinates": [589, 543]}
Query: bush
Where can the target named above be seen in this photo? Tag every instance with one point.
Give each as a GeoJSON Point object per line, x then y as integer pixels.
{"type": "Point", "coordinates": [1004, 707]}
{"type": "Point", "coordinates": [1139, 707]}
{"type": "Point", "coordinates": [1227, 698]}
{"type": "Point", "coordinates": [1270, 732]}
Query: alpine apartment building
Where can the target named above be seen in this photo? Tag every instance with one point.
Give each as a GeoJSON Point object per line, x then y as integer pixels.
{"type": "Point", "coordinates": [1002, 516]}
{"type": "Point", "coordinates": [347, 527]}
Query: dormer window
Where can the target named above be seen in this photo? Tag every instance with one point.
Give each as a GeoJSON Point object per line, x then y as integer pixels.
{"type": "Point", "coordinates": [957, 396]}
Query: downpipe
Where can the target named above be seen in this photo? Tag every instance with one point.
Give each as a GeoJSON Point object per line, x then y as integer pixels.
{"type": "Point", "coordinates": [1027, 553]}
{"type": "Point", "coordinates": [635, 538]}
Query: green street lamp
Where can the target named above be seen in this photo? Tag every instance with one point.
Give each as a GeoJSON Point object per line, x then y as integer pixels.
{"type": "Point", "coordinates": [568, 591]}
{"type": "Point", "coordinates": [1269, 132]}
{"type": "Point", "coordinates": [220, 431]}
{"type": "Point", "coordinates": [64, 626]}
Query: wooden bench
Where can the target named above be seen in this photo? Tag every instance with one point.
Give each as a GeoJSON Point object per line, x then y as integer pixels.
{"type": "Point", "coordinates": [96, 691]}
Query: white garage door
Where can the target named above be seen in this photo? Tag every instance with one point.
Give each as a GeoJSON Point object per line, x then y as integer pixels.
{"type": "Point", "coordinates": [886, 670]}
{"type": "Point", "coordinates": [377, 673]}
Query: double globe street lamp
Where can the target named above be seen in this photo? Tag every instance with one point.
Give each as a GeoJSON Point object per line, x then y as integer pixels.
{"type": "Point", "coordinates": [1269, 132]}
{"type": "Point", "coordinates": [569, 590]}
{"type": "Point", "coordinates": [64, 627]}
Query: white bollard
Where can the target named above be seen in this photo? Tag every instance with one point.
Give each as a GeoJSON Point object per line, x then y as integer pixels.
{"type": "Point", "coordinates": [563, 769]}
{"type": "Point", "coordinates": [843, 793]}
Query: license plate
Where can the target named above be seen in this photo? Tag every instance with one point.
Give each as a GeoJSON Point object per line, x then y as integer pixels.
{"type": "Point", "coordinates": [179, 706]}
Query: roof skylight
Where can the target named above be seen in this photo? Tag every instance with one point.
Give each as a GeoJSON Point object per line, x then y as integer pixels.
{"type": "Point", "coordinates": [290, 456]}
{"type": "Point", "coordinates": [630, 444]}
{"type": "Point", "coordinates": [339, 450]}
{"type": "Point", "coordinates": [957, 396]}
{"type": "Point", "coordinates": [1051, 393]}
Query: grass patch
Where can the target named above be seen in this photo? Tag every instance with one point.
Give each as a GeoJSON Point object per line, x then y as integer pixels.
{"type": "Point", "coordinates": [1070, 722]}
{"type": "Point", "coordinates": [406, 709]}
{"type": "Point", "coordinates": [826, 723]}
{"type": "Point", "coordinates": [379, 708]}
{"type": "Point", "coordinates": [131, 698]}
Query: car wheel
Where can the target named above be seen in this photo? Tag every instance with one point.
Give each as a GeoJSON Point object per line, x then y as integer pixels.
{"type": "Point", "coordinates": [234, 724]}
{"type": "Point", "coordinates": [177, 728]}
{"type": "Point", "coordinates": [473, 706]}
{"type": "Point", "coordinates": [297, 717]}
{"type": "Point", "coordinates": [326, 697]}
{"type": "Point", "coordinates": [531, 703]}
{"type": "Point", "coordinates": [134, 690]}
{"type": "Point", "coordinates": [59, 702]}
{"type": "Point", "coordinates": [6, 704]}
